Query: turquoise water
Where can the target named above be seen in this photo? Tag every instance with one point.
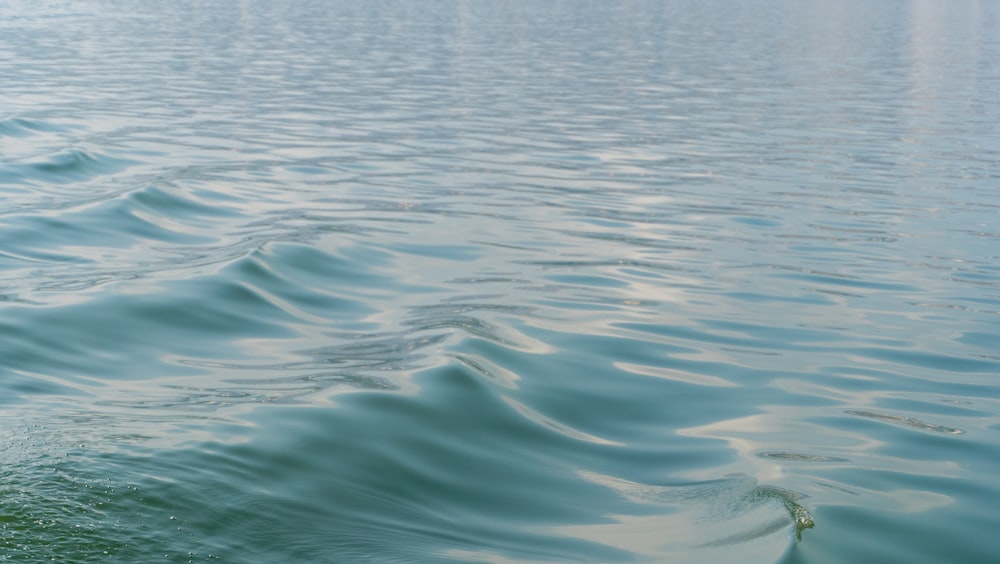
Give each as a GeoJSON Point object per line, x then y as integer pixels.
{"type": "Point", "coordinates": [324, 281]}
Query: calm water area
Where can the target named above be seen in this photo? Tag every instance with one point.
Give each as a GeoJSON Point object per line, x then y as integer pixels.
{"type": "Point", "coordinates": [500, 282]}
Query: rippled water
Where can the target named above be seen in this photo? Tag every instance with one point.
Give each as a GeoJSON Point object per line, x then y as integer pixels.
{"type": "Point", "coordinates": [330, 281]}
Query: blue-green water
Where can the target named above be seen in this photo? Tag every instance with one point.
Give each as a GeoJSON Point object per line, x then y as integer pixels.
{"type": "Point", "coordinates": [324, 281]}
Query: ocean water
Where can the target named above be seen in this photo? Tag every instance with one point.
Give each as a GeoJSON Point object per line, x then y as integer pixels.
{"type": "Point", "coordinates": [462, 281]}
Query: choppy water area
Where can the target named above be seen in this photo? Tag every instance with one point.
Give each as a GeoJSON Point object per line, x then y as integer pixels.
{"type": "Point", "coordinates": [332, 281]}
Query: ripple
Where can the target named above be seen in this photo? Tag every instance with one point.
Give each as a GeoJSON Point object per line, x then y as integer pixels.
{"type": "Point", "coordinates": [911, 422]}
{"type": "Point", "coordinates": [251, 391]}
{"type": "Point", "coordinates": [798, 457]}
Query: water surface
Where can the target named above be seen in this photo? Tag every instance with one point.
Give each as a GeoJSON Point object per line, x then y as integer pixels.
{"type": "Point", "coordinates": [329, 281]}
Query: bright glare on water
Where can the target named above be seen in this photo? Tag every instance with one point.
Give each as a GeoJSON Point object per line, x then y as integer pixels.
{"type": "Point", "coordinates": [476, 281]}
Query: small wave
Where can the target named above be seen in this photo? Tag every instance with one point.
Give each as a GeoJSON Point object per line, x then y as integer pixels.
{"type": "Point", "coordinates": [561, 428]}
{"type": "Point", "coordinates": [62, 167]}
{"type": "Point", "coordinates": [21, 127]}
{"type": "Point", "coordinates": [736, 514]}
{"type": "Point", "coordinates": [489, 370]}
